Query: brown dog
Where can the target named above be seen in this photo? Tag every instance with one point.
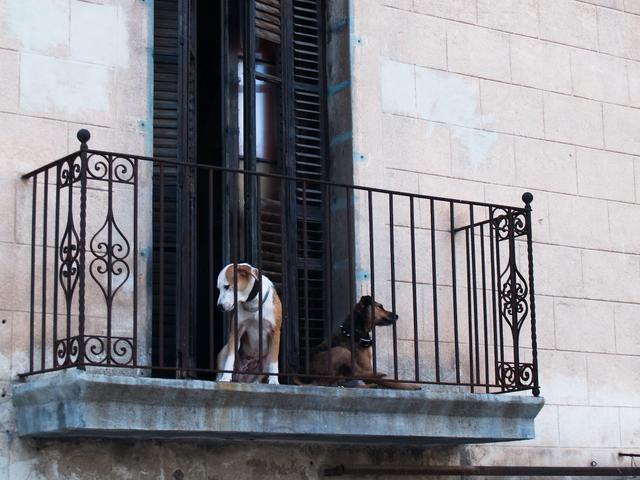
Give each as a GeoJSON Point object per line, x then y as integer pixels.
{"type": "Point", "coordinates": [334, 358]}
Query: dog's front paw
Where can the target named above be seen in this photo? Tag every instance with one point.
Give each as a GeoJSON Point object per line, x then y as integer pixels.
{"type": "Point", "coordinates": [225, 378]}
{"type": "Point", "coordinates": [273, 380]}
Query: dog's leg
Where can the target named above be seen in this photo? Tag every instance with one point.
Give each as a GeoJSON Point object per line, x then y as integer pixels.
{"type": "Point", "coordinates": [228, 360]}
{"type": "Point", "coordinates": [274, 353]}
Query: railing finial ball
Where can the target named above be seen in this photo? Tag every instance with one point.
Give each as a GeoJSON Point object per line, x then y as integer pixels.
{"type": "Point", "coordinates": [83, 135]}
{"type": "Point", "coordinates": [527, 197]}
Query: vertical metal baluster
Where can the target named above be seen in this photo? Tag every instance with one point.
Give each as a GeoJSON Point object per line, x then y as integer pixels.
{"type": "Point", "coordinates": [306, 276]}
{"type": "Point", "coordinates": [527, 198]}
{"type": "Point", "coordinates": [498, 293]}
{"type": "Point", "coordinates": [393, 286]}
{"type": "Point", "coordinates": [475, 292]}
{"type": "Point", "coordinates": [454, 297]}
{"type": "Point", "coordinates": [109, 252]}
{"type": "Point", "coordinates": [55, 267]}
{"type": "Point", "coordinates": [329, 269]}
{"type": "Point", "coordinates": [416, 352]}
{"type": "Point", "coordinates": [43, 333]}
{"type": "Point", "coordinates": [494, 293]}
{"type": "Point", "coordinates": [33, 274]}
{"type": "Point", "coordinates": [434, 281]}
{"type": "Point", "coordinates": [212, 278]}
{"type": "Point", "coordinates": [514, 298]}
{"type": "Point", "coordinates": [484, 307]}
{"type": "Point", "coordinates": [350, 255]}
{"type": "Point", "coordinates": [69, 258]}
{"type": "Point", "coordinates": [83, 136]}
{"type": "Point", "coordinates": [161, 272]}
{"type": "Point", "coordinates": [259, 266]}
{"type": "Point", "coordinates": [134, 352]}
{"type": "Point", "coordinates": [249, 117]}
{"type": "Point", "coordinates": [236, 239]}
{"type": "Point", "coordinates": [373, 282]}
{"type": "Point", "coordinates": [469, 309]}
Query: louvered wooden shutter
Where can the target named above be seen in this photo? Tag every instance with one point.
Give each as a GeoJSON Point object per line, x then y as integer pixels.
{"type": "Point", "coordinates": [311, 161]}
{"type": "Point", "coordinates": [268, 20]}
{"type": "Point", "coordinates": [165, 146]}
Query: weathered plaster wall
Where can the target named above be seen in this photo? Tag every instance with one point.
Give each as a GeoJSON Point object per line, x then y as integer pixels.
{"type": "Point", "coordinates": [486, 99]}
{"type": "Point", "coordinates": [64, 65]}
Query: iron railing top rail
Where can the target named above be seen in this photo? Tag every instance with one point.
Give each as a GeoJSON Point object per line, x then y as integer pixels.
{"type": "Point", "coordinates": [272, 175]}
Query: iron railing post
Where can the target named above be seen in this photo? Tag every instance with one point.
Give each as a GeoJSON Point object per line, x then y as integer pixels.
{"type": "Point", "coordinates": [83, 136]}
{"type": "Point", "coordinates": [527, 198]}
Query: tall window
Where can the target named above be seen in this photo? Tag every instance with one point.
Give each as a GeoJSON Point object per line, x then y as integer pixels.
{"type": "Point", "coordinates": [239, 84]}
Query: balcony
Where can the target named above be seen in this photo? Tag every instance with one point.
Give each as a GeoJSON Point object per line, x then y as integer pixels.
{"type": "Point", "coordinates": [123, 331]}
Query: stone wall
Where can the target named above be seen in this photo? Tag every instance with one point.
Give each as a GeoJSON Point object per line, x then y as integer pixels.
{"type": "Point", "coordinates": [483, 100]}
{"type": "Point", "coordinates": [476, 99]}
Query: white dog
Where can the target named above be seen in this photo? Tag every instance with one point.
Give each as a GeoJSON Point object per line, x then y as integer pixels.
{"type": "Point", "coordinates": [247, 286]}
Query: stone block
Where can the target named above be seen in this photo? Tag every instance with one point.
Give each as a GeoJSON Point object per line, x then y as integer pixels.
{"type": "Point", "coordinates": [630, 427]}
{"type": "Point", "coordinates": [569, 22]}
{"type": "Point", "coordinates": [402, 4]}
{"type": "Point", "coordinates": [611, 276]}
{"type": "Point", "coordinates": [627, 328]}
{"type": "Point", "coordinates": [588, 426]}
{"type": "Point", "coordinates": [462, 10]}
{"type": "Point", "coordinates": [540, 64]}
{"type": "Point", "coordinates": [107, 45]}
{"type": "Point", "coordinates": [478, 51]}
{"type": "Point", "coordinates": [47, 141]}
{"type": "Point", "coordinates": [414, 39]}
{"type": "Point", "coordinates": [584, 326]}
{"type": "Point", "coordinates": [482, 155]}
{"type": "Point", "coordinates": [633, 73]}
{"type": "Point", "coordinates": [6, 328]}
{"type": "Point", "coordinates": [33, 26]}
{"type": "Point", "coordinates": [618, 181]}
{"type": "Point", "coordinates": [66, 90]}
{"type": "Point", "coordinates": [8, 210]}
{"type": "Point", "coordinates": [517, 16]}
{"type": "Point", "coordinates": [397, 84]}
{"type": "Point", "coordinates": [624, 224]}
{"type": "Point", "coordinates": [416, 145]}
{"type": "Point", "coordinates": [9, 79]}
{"type": "Point", "coordinates": [573, 120]}
{"type": "Point", "coordinates": [619, 33]}
{"type": "Point", "coordinates": [563, 377]}
{"type": "Point", "coordinates": [614, 380]}
{"type": "Point", "coordinates": [448, 98]}
{"type": "Point", "coordinates": [632, 6]}
{"type": "Point", "coordinates": [572, 220]}
{"type": "Point", "coordinates": [599, 77]}
{"type": "Point", "coordinates": [617, 4]}
{"type": "Point", "coordinates": [545, 165]}
{"type": "Point", "coordinates": [511, 109]}
{"type": "Point", "coordinates": [558, 270]}
{"type": "Point", "coordinates": [620, 133]}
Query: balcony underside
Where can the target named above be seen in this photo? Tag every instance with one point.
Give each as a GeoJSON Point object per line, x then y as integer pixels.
{"type": "Point", "coordinates": [74, 403]}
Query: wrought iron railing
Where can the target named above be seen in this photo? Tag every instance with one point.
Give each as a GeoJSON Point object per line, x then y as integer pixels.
{"type": "Point", "coordinates": [109, 244]}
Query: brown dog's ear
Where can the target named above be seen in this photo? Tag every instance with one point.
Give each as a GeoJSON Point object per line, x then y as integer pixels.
{"type": "Point", "coordinates": [244, 271]}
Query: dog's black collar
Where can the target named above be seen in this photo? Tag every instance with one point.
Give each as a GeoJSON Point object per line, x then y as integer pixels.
{"type": "Point", "coordinates": [365, 341]}
{"type": "Point", "coordinates": [254, 291]}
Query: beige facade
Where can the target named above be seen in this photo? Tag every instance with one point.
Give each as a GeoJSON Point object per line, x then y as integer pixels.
{"type": "Point", "coordinates": [480, 99]}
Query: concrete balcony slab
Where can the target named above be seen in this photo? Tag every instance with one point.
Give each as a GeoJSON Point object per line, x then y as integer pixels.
{"type": "Point", "coordinates": [75, 403]}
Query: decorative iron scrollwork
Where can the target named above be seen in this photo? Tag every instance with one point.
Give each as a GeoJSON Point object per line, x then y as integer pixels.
{"type": "Point", "coordinates": [68, 251]}
{"type": "Point", "coordinates": [98, 350]}
{"type": "Point", "coordinates": [513, 296]}
{"type": "Point", "coordinates": [515, 379]}
{"type": "Point", "coordinates": [69, 171]}
{"type": "Point", "coordinates": [115, 169]}
{"type": "Point", "coordinates": [509, 223]}
{"type": "Point", "coordinates": [110, 248]}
